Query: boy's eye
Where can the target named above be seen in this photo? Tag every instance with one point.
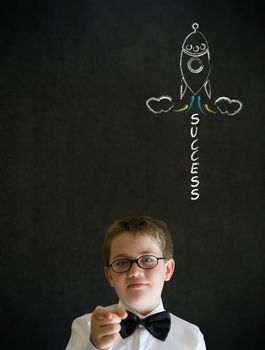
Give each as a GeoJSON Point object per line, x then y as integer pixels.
{"type": "Point", "coordinates": [147, 260]}
{"type": "Point", "coordinates": [121, 263]}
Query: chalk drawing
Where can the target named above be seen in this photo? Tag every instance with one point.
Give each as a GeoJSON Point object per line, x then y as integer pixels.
{"type": "Point", "coordinates": [151, 104]}
{"type": "Point", "coordinates": [194, 157]}
{"type": "Point", "coordinates": [195, 64]}
{"type": "Point", "coordinates": [195, 69]}
{"type": "Point", "coordinates": [227, 106]}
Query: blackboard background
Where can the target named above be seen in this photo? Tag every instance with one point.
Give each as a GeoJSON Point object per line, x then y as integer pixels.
{"type": "Point", "coordinates": [79, 149]}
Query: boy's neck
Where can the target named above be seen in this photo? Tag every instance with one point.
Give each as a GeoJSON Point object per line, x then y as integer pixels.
{"type": "Point", "coordinates": [158, 308]}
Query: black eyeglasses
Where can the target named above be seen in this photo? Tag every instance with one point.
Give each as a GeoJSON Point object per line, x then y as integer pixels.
{"type": "Point", "coordinates": [144, 262]}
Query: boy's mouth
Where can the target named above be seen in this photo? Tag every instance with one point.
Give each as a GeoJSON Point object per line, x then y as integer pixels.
{"type": "Point", "coordinates": [137, 285]}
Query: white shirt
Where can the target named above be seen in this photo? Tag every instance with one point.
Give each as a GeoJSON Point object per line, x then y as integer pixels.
{"type": "Point", "coordinates": [182, 335]}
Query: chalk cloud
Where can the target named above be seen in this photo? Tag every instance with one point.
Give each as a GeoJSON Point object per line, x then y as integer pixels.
{"type": "Point", "coordinates": [162, 104]}
{"type": "Point", "coordinates": [227, 106]}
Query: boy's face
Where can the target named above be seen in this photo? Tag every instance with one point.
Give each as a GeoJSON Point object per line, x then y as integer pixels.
{"type": "Point", "coordinates": [140, 289]}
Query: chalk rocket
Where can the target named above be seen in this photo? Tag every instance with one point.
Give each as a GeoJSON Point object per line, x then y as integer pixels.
{"type": "Point", "coordinates": [195, 64]}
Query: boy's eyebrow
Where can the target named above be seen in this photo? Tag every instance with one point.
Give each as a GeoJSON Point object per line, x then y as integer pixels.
{"type": "Point", "coordinates": [121, 256]}
{"type": "Point", "coordinates": [128, 256]}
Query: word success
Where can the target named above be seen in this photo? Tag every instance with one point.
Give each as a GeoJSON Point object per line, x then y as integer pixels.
{"type": "Point", "coordinates": [194, 170]}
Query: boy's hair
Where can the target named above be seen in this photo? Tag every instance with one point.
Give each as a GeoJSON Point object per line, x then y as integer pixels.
{"type": "Point", "coordinates": [142, 225]}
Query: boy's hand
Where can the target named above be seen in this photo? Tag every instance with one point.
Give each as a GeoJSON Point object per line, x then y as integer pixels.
{"type": "Point", "coordinates": [105, 326]}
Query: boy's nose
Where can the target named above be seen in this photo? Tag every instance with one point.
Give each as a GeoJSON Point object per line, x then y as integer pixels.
{"type": "Point", "coordinates": [135, 270]}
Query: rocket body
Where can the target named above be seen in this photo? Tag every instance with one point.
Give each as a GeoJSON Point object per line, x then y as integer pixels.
{"type": "Point", "coordinates": [195, 64]}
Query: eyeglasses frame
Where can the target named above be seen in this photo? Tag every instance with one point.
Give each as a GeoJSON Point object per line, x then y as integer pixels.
{"type": "Point", "coordinates": [136, 261]}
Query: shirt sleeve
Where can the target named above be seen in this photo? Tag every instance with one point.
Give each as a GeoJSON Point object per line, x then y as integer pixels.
{"type": "Point", "coordinates": [80, 334]}
{"type": "Point", "coordinates": [201, 345]}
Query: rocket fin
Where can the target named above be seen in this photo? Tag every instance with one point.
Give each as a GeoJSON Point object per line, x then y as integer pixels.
{"type": "Point", "coordinates": [183, 88]}
{"type": "Point", "coordinates": [207, 88]}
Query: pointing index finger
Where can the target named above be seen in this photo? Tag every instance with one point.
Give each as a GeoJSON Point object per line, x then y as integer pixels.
{"type": "Point", "coordinates": [120, 312]}
{"type": "Point", "coordinates": [102, 313]}
{"type": "Point", "coordinates": [109, 313]}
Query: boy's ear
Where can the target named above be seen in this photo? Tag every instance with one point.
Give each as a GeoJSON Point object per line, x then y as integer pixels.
{"type": "Point", "coordinates": [170, 266]}
{"type": "Point", "coordinates": [108, 275]}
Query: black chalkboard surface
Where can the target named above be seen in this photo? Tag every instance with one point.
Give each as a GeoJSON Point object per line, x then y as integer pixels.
{"type": "Point", "coordinates": [80, 147]}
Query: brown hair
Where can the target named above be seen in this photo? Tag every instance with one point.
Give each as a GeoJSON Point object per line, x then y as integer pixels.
{"type": "Point", "coordinates": [143, 225]}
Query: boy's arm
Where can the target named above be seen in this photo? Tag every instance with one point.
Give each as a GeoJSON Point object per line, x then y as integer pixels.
{"type": "Point", "coordinates": [80, 334]}
{"type": "Point", "coordinates": [201, 345]}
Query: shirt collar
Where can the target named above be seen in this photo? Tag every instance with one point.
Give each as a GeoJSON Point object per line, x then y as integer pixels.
{"type": "Point", "coordinates": [159, 308]}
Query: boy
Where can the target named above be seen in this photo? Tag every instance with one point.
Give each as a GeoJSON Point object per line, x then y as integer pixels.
{"type": "Point", "coordinates": [138, 254]}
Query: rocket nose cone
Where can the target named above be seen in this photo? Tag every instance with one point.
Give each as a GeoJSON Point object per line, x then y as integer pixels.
{"type": "Point", "coordinates": [195, 43]}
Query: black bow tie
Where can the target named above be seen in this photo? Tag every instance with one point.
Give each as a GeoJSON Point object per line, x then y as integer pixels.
{"type": "Point", "coordinates": [158, 324]}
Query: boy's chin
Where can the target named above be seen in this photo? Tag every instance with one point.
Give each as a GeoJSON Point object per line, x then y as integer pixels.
{"type": "Point", "coordinates": [140, 304]}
